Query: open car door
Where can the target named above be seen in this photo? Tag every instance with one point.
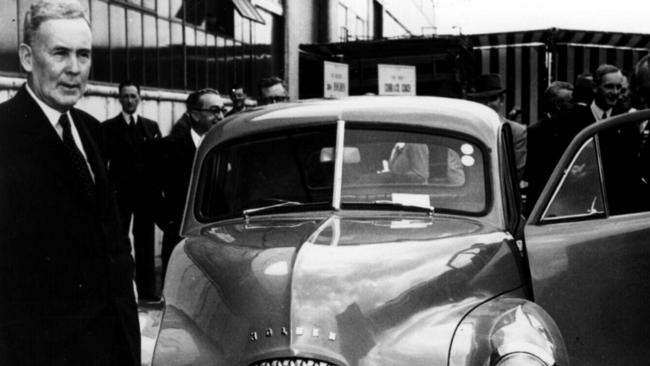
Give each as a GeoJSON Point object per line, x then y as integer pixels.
{"type": "Point", "coordinates": [588, 244]}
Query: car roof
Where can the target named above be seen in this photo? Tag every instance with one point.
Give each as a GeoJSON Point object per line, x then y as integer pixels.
{"type": "Point", "coordinates": [449, 114]}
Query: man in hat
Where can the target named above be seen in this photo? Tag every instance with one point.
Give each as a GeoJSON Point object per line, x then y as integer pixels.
{"type": "Point", "coordinates": [489, 90]}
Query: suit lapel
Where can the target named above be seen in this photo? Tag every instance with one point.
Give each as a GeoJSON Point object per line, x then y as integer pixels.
{"type": "Point", "coordinates": [48, 149]}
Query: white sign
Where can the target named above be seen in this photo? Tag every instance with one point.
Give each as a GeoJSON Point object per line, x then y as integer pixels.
{"type": "Point", "coordinates": [396, 79]}
{"type": "Point", "coordinates": [335, 83]}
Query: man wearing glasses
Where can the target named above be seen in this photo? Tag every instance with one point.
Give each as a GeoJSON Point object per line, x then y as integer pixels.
{"type": "Point", "coordinates": [273, 90]}
{"type": "Point", "coordinates": [204, 109]}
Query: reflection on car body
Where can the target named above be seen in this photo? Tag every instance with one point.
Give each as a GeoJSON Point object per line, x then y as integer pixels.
{"type": "Point", "coordinates": [307, 244]}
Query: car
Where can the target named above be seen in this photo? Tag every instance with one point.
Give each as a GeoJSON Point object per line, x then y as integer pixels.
{"type": "Point", "coordinates": [389, 231]}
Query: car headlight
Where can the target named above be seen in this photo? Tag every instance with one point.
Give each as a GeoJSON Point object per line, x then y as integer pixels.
{"type": "Point", "coordinates": [520, 359]}
{"type": "Point", "coordinates": [520, 339]}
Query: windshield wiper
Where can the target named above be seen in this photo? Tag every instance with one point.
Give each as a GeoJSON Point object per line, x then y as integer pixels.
{"type": "Point", "coordinates": [403, 207]}
{"type": "Point", "coordinates": [259, 210]}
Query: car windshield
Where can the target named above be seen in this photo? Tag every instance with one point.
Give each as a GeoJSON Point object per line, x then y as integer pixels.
{"type": "Point", "coordinates": [381, 169]}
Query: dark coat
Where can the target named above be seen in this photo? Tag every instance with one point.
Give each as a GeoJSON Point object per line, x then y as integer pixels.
{"type": "Point", "coordinates": [519, 144]}
{"type": "Point", "coordinates": [128, 159]}
{"type": "Point", "coordinates": [176, 153]}
{"type": "Point", "coordinates": [547, 140]}
{"type": "Point", "coordinates": [65, 271]}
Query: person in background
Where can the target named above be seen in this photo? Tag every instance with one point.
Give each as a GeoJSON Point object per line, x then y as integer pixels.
{"type": "Point", "coordinates": [66, 272]}
{"type": "Point", "coordinates": [619, 147]}
{"type": "Point", "coordinates": [548, 138]}
{"type": "Point", "coordinates": [489, 90]}
{"type": "Point", "coordinates": [583, 92]}
{"type": "Point", "coordinates": [640, 89]}
{"type": "Point", "coordinates": [624, 103]}
{"type": "Point", "coordinates": [128, 155]}
{"type": "Point", "coordinates": [238, 98]}
{"type": "Point", "coordinates": [176, 156]}
{"type": "Point", "coordinates": [608, 82]}
{"type": "Point", "coordinates": [273, 90]}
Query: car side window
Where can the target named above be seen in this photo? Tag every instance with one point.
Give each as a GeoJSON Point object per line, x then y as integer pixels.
{"type": "Point", "coordinates": [580, 193]}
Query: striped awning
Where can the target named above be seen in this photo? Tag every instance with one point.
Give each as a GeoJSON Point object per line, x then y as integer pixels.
{"type": "Point", "coordinates": [561, 36]}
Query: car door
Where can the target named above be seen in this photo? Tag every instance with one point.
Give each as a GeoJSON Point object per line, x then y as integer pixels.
{"type": "Point", "coordinates": [588, 245]}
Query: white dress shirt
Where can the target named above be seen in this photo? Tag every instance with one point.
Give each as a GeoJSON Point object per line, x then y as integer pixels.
{"type": "Point", "coordinates": [53, 117]}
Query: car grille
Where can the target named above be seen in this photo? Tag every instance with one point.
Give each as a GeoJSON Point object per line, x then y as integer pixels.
{"type": "Point", "coordinates": [292, 362]}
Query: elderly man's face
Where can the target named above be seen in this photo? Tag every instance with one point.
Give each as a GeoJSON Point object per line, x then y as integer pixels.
{"type": "Point", "coordinates": [58, 61]}
{"type": "Point", "coordinates": [608, 90]}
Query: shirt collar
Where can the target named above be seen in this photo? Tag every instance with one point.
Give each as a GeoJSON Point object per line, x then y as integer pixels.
{"type": "Point", "coordinates": [52, 114]}
{"type": "Point", "coordinates": [126, 117]}
{"type": "Point", "coordinates": [597, 112]}
{"type": "Point", "coordinates": [196, 138]}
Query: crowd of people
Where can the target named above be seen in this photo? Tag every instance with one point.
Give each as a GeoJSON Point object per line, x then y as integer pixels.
{"type": "Point", "coordinates": [569, 108]}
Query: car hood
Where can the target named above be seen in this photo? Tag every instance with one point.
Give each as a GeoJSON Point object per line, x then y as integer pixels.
{"type": "Point", "coordinates": [350, 291]}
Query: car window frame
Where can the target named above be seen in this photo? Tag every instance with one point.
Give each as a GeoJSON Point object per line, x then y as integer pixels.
{"type": "Point", "coordinates": [586, 216]}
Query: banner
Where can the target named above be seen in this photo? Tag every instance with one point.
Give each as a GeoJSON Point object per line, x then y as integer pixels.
{"type": "Point", "coordinates": [396, 79]}
{"type": "Point", "coordinates": [335, 83]}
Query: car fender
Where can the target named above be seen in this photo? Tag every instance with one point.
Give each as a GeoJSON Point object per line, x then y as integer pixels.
{"type": "Point", "coordinates": [504, 326]}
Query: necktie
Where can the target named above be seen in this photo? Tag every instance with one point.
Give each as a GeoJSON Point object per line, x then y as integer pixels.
{"type": "Point", "coordinates": [78, 161]}
{"type": "Point", "coordinates": [132, 127]}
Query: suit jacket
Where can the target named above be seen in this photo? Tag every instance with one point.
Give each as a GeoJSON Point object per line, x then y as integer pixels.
{"type": "Point", "coordinates": [63, 264]}
{"type": "Point", "coordinates": [177, 151]}
{"type": "Point", "coordinates": [519, 136]}
{"type": "Point", "coordinates": [129, 159]}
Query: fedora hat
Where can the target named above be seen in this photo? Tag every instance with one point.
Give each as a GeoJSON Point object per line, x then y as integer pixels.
{"type": "Point", "coordinates": [487, 85]}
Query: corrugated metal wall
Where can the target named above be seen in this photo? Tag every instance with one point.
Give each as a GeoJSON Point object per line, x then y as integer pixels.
{"type": "Point", "coordinates": [572, 60]}
{"type": "Point", "coordinates": [523, 72]}
{"type": "Point", "coordinates": [529, 61]}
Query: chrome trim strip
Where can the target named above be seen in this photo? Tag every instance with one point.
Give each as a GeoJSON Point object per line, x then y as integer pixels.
{"type": "Point", "coordinates": [338, 164]}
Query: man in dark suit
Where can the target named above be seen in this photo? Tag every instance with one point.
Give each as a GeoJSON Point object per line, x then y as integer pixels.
{"type": "Point", "coordinates": [65, 268]}
{"type": "Point", "coordinates": [548, 138]}
{"type": "Point", "coordinates": [129, 139]}
{"type": "Point", "coordinates": [619, 148]}
{"type": "Point", "coordinates": [204, 109]}
{"type": "Point", "coordinates": [489, 90]}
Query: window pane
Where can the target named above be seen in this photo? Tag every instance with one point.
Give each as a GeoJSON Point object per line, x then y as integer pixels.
{"type": "Point", "coordinates": [118, 43]}
{"type": "Point", "coordinates": [176, 9]}
{"type": "Point", "coordinates": [190, 44]}
{"type": "Point", "coordinates": [580, 191]}
{"type": "Point", "coordinates": [201, 60]}
{"type": "Point", "coordinates": [99, 20]}
{"type": "Point", "coordinates": [252, 173]}
{"type": "Point", "coordinates": [211, 61]}
{"type": "Point", "coordinates": [149, 4]}
{"type": "Point", "coordinates": [162, 8]}
{"type": "Point", "coordinates": [9, 37]}
{"type": "Point", "coordinates": [134, 41]}
{"type": "Point", "coordinates": [164, 54]}
{"type": "Point", "coordinates": [443, 172]}
{"type": "Point", "coordinates": [150, 50]}
{"type": "Point", "coordinates": [178, 59]}
{"type": "Point", "coordinates": [136, 2]}
{"type": "Point", "coordinates": [222, 66]}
